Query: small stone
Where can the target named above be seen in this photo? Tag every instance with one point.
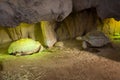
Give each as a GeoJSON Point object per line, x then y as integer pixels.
{"type": "Point", "coordinates": [59, 44]}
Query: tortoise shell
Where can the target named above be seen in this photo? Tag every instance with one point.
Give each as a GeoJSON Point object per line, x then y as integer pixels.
{"type": "Point", "coordinates": [24, 46]}
{"type": "Point", "coordinates": [96, 39]}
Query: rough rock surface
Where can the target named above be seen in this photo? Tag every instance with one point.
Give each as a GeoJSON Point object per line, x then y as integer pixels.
{"type": "Point", "coordinates": [77, 24]}
{"type": "Point", "coordinates": [47, 34]}
{"type": "Point", "coordinates": [13, 12]}
{"type": "Point", "coordinates": [105, 8]}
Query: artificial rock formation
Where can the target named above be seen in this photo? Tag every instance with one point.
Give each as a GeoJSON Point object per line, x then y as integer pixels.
{"type": "Point", "coordinates": [42, 32]}
{"type": "Point", "coordinates": [47, 34]}
{"type": "Point", "coordinates": [104, 8]}
{"type": "Point", "coordinates": [22, 31]}
{"type": "Point", "coordinates": [77, 24]}
{"type": "Point", "coordinates": [73, 18]}
{"type": "Point", "coordinates": [13, 12]}
{"type": "Point", "coordinates": [4, 36]}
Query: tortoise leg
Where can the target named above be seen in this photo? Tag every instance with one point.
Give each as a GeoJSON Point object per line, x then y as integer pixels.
{"type": "Point", "coordinates": [93, 50]}
{"type": "Point", "coordinates": [84, 45]}
{"type": "Point", "coordinates": [41, 48]}
{"type": "Point", "coordinates": [18, 54]}
{"type": "Point", "coordinates": [87, 47]}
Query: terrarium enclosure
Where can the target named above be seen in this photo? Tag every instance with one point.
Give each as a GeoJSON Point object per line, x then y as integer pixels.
{"type": "Point", "coordinates": [59, 40]}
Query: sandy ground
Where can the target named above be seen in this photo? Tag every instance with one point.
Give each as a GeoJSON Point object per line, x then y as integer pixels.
{"type": "Point", "coordinates": [67, 63]}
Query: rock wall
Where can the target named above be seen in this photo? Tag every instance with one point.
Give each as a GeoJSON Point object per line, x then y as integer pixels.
{"type": "Point", "coordinates": [4, 36]}
{"type": "Point", "coordinates": [77, 24]}
{"type": "Point", "coordinates": [47, 34]}
{"type": "Point", "coordinates": [111, 28]}
{"type": "Point", "coordinates": [42, 32]}
{"type": "Point", "coordinates": [104, 8]}
{"type": "Point", "coordinates": [13, 12]}
{"type": "Point", "coordinates": [22, 31]}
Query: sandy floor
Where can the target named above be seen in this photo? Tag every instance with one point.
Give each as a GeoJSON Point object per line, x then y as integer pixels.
{"type": "Point", "coordinates": [68, 63]}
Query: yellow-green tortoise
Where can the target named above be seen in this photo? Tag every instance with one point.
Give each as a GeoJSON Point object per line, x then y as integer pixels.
{"type": "Point", "coordinates": [24, 46]}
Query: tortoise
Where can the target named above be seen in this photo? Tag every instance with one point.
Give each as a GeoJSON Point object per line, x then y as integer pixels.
{"type": "Point", "coordinates": [94, 39]}
{"type": "Point", "coordinates": [25, 46]}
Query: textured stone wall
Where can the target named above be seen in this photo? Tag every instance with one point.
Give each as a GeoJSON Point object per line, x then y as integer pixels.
{"type": "Point", "coordinates": [104, 8]}
{"type": "Point", "coordinates": [77, 24]}
{"type": "Point", "coordinates": [42, 32]}
{"type": "Point", "coordinates": [22, 31]}
{"type": "Point", "coordinates": [73, 17]}
{"type": "Point", "coordinates": [13, 12]}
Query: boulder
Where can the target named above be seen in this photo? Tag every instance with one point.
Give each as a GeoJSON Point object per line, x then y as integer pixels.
{"type": "Point", "coordinates": [104, 8]}
{"type": "Point", "coordinates": [13, 12]}
{"type": "Point", "coordinates": [48, 37]}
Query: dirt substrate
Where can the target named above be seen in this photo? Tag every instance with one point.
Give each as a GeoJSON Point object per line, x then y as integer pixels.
{"type": "Point", "coordinates": [67, 63]}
